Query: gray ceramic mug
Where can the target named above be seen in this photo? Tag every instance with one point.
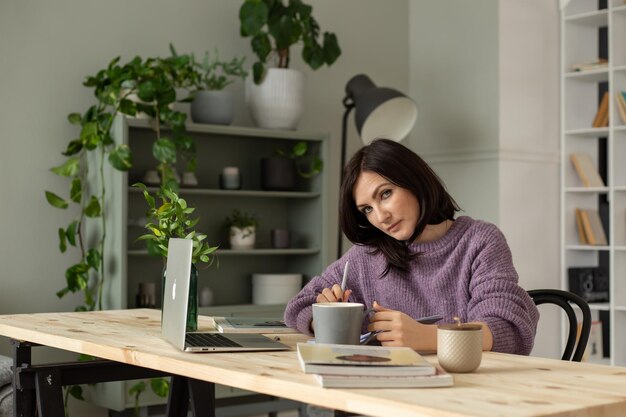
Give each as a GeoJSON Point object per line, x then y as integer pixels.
{"type": "Point", "coordinates": [339, 323]}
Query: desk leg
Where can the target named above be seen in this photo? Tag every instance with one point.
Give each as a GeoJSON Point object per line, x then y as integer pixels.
{"type": "Point", "coordinates": [200, 393]}
{"type": "Point", "coordinates": [49, 393]}
{"type": "Point", "coordinates": [23, 399]}
{"type": "Point", "coordinates": [202, 396]}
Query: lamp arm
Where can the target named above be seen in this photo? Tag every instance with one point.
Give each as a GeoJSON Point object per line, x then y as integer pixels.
{"type": "Point", "coordinates": [349, 105]}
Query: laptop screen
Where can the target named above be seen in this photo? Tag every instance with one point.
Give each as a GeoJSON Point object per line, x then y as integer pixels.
{"type": "Point", "coordinates": [176, 291]}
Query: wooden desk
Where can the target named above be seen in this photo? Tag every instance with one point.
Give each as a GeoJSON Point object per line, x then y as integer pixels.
{"type": "Point", "coordinates": [504, 385]}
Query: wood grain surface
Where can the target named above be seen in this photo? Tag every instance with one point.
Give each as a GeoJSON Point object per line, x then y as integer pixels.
{"type": "Point", "coordinates": [504, 385]}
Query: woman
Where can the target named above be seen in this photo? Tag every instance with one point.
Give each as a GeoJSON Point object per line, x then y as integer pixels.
{"type": "Point", "coordinates": [412, 259]}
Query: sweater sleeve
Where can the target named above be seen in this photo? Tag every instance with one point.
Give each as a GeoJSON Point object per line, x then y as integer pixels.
{"type": "Point", "coordinates": [299, 311]}
{"type": "Point", "coordinates": [498, 300]}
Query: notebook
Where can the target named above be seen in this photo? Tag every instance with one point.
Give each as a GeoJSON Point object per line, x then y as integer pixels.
{"type": "Point", "coordinates": [174, 319]}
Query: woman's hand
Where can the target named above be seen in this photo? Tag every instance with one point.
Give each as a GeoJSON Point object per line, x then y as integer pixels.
{"type": "Point", "coordinates": [399, 329]}
{"type": "Point", "coordinates": [333, 295]}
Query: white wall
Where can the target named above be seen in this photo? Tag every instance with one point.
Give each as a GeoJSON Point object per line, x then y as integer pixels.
{"type": "Point", "coordinates": [488, 123]}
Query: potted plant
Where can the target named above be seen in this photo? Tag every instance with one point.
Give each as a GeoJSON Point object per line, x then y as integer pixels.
{"type": "Point", "coordinates": [241, 228]}
{"type": "Point", "coordinates": [278, 173]}
{"type": "Point", "coordinates": [153, 81]}
{"type": "Point", "coordinates": [275, 95]}
{"type": "Point", "coordinates": [211, 103]}
{"type": "Point", "coordinates": [171, 219]}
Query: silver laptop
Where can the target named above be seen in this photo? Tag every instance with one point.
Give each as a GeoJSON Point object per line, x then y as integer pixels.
{"type": "Point", "coordinates": [175, 311]}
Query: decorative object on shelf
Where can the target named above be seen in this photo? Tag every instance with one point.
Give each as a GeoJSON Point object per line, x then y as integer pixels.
{"type": "Point", "coordinates": [379, 112]}
{"type": "Point", "coordinates": [154, 82]}
{"type": "Point", "coordinates": [278, 173]}
{"type": "Point", "coordinates": [279, 238]}
{"type": "Point", "coordinates": [274, 96]}
{"type": "Point", "coordinates": [189, 179]}
{"type": "Point", "coordinates": [591, 283]}
{"type": "Point", "coordinates": [211, 103]}
{"type": "Point", "coordinates": [206, 296]}
{"type": "Point", "coordinates": [275, 288]}
{"type": "Point", "coordinates": [586, 169]}
{"type": "Point", "coordinates": [171, 219]}
{"type": "Point", "coordinates": [230, 179]}
{"type": "Point", "coordinates": [241, 229]}
{"type": "Point", "coordinates": [151, 177]}
{"type": "Point", "coordinates": [146, 297]}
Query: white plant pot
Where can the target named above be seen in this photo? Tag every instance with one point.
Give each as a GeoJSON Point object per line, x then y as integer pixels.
{"type": "Point", "coordinates": [278, 101]}
{"type": "Point", "coordinates": [275, 288]}
{"type": "Point", "coordinates": [242, 238]}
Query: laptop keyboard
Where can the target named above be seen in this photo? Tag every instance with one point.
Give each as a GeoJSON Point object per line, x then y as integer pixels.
{"type": "Point", "coordinates": [209, 340]}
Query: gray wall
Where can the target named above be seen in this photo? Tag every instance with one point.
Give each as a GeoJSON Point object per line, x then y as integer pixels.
{"type": "Point", "coordinates": [466, 63]}
{"type": "Point", "coordinates": [46, 50]}
{"type": "Point", "coordinates": [488, 123]}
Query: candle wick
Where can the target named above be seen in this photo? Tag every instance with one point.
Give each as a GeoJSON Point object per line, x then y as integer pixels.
{"type": "Point", "coordinates": [457, 320]}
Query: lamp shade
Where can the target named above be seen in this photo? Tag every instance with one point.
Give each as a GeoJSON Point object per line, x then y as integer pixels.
{"type": "Point", "coordinates": [380, 112]}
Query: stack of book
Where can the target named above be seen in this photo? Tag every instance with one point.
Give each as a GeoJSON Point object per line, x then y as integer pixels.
{"type": "Point", "coordinates": [362, 366]}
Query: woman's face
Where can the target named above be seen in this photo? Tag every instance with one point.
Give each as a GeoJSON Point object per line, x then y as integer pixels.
{"type": "Point", "coordinates": [392, 209]}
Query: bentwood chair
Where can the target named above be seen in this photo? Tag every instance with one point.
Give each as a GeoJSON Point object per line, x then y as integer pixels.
{"type": "Point", "coordinates": [576, 343]}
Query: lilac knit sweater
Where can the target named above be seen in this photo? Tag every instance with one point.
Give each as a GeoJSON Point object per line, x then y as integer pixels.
{"type": "Point", "coordinates": [467, 273]}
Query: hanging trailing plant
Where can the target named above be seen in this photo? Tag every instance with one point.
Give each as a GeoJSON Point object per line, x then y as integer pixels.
{"type": "Point", "coordinates": [139, 86]}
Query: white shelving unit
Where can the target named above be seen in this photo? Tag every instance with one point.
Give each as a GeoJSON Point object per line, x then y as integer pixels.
{"type": "Point", "coordinates": [302, 212]}
{"type": "Point", "coordinates": [581, 27]}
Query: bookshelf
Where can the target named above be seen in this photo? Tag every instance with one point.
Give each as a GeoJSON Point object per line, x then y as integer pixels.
{"type": "Point", "coordinates": [591, 31]}
{"type": "Point", "coordinates": [302, 211]}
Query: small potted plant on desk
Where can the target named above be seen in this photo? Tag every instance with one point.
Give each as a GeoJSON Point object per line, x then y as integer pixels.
{"type": "Point", "coordinates": [211, 103]}
{"type": "Point", "coordinates": [278, 173]}
{"type": "Point", "coordinates": [171, 219]}
{"type": "Point", "coordinates": [241, 228]}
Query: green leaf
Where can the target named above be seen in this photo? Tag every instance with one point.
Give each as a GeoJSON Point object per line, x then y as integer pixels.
{"type": "Point", "coordinates": [93, 208]}
{"type": "Point", "coordinates": [62, 242]}
{"type": "Point", "coordinates": [73, 147]}
{"type": "Point", "coordinates": [261, 46]}
{"type": "Point", "coordinates": [253, 16]}
{"type": "Point", "coordinates": [69, 168]}
{"type": "Point", "coordinates": [76, 391]}
{"type": "Point", "coordinates": [160, 386]}
{"type": "Point", "coordinates": [258, 70]}
{"type": "Point", "coordinates": [313, 55]}
{"type": "Point", "coordinates": [70, 233]}
{"type": "Point", "coordinates": [74, 118]}
{"type": "Point", "coordinates": [300, 149]}
{"type": "Point", "coordinates": [76, 190]}
{"type": "Point", "coordinates": [56, 201]}
{"type": "Point", "coordinates": [121, 157]}
{"type": "Point", "coordinates": [128, 107]}
{"type": "Point", "coordinates": [164, 150]}
{"type": "Point", "coordinates": [331, 48]}
{"type": "Point", "coordinates": [62, 292]}
{"type": "Point", "coordinates": [94, 258]}
{"type": "Point", "coordinates": [146, 91]}
{"type": "Point", "coordinates": [138, 388]}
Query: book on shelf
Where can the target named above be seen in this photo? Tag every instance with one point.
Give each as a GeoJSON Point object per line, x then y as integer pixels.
{"type": "Point", "coordinates": [587, 66]}
{"type": "Point", "coordinates": [586, 170]}
{"type": "Point", "coordinates": [621, 105]}
{"type": "Point", "coordinates": [363, 360]}
{"type": "Point", "coordinates": [590, 229]}
{"type": "Point", "coordinates": [439, 379]}
{"type": "Point", "coordinates": [251, 325]}
{"type": "Point", "coordinates": [594, 350]}
{"type": "Point", "coordinates": [601, 118]}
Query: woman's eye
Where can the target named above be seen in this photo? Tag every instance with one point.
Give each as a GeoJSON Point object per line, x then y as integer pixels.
{"type": "Point", "coordinates": [366, 210]}
{"type": "Point", "coordinates": [385, 194]}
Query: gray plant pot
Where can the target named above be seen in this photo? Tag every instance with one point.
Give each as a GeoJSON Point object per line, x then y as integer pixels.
{"type": "Point", "coordinates": [213, 107]}
{"type": "Point", "coordinates": [278, 174]}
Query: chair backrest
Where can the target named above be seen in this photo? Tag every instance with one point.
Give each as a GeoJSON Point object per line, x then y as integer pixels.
{"type": "Point", "coordinates": [563, 299]}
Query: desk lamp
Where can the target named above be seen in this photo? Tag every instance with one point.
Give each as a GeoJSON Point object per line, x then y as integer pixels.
{"type": "Point", "coordinates": [379, 112]}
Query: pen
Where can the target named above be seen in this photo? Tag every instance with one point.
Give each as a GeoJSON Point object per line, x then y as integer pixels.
{"type": "Point", "coordinates": [344, 280]}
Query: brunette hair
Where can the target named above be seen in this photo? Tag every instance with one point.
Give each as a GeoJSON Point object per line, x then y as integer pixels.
{"type": "Point", "coordinates": [406, 169]}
